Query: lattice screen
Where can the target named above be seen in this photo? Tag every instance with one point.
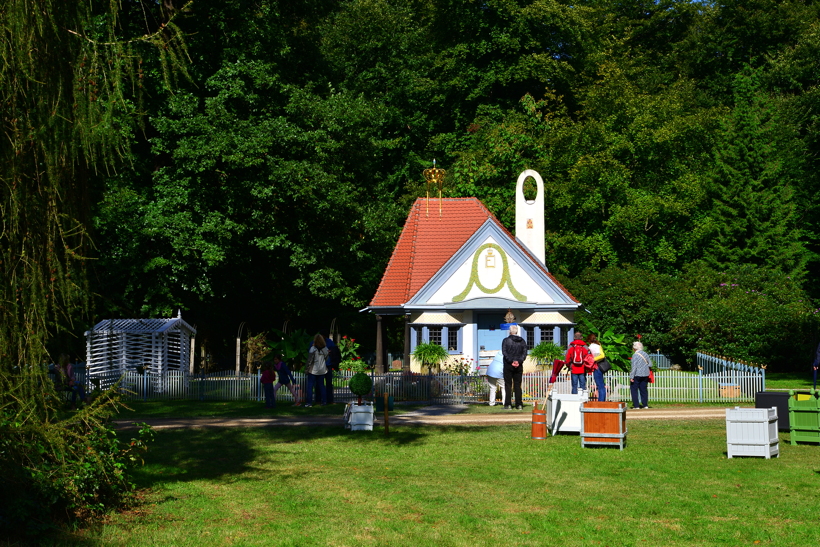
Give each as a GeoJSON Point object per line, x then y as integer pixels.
{"type": "Point", "coordinates": [153, 345]}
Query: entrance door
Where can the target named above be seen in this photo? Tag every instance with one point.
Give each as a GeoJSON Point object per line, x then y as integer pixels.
{"type": "Point", "coordinates": [490, 334]}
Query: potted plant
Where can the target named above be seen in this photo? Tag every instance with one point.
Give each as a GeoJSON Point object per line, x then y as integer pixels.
{"type": "Point", "coordinates": [360, 384]}
{"type": "Point", "coordinates": [545, 353]}
{"type": "Point", "coordinates": [430, 354]}
{"type": "Point", "coordinates": [359, 417]}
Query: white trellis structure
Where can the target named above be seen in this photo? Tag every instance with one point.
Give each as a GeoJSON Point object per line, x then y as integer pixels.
{"type": "Point", "coordinates": [155, 346]}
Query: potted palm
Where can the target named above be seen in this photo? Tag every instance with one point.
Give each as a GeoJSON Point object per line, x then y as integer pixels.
{"type": "Point", "coordinates": [430, 355]}
{"type": "Point", "coordinates": [545, 353]}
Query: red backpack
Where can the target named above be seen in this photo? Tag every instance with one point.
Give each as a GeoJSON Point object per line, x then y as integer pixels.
{"type": "Point", "coordinates": [582, 356]}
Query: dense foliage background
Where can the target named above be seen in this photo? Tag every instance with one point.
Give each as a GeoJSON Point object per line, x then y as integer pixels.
{"type": "Point", "coordinates": [678, 140]}
{"type": "Point", "coordinates": [254, 160]}
{"type": "Point", "coordinates": [675, 137]}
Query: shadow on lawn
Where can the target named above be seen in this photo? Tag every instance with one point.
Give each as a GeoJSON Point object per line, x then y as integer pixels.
{"type": "Point", "coordinates": [195, 454]}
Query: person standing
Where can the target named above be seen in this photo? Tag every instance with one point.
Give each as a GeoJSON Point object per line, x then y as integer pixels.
{"type": "Point", "coordinates": [576, 352]}
{"type": "Point", "coordinates": [495, 378]}
{"type": "Point", "coordinates": [514, 352]}
{"type": "Point", "coordinates": [285, 378]}
{"type": "Point", "coordinates": [815, 365]}
{"type": "Point", "coordinates": [69, 381]}
{"type": "Point", "coordinates": [334, 358]}
{"type": "Point", "coordinates": [597, 374]}
{"type": "Point", "coordinates": [268, 376]}
{"type": "Point", "coordinates": [639, 376]}
{"type": "Point", "coordinates": [316, 369]}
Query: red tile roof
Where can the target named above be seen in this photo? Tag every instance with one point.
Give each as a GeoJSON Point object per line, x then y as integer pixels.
{"type": "Point", "coordinates": [428, 241]}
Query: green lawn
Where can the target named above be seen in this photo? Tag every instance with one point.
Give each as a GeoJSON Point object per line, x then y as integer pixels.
{"type": "Point", "coordinates": [465, 486]}
{"type": "Point", "coordinates": [789, 380]}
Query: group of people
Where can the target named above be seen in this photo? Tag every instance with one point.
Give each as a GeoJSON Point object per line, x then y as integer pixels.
{"type": "Point", "coordinates": [323, 358]}
{"type": "Point", "coordinates": [509, 362]}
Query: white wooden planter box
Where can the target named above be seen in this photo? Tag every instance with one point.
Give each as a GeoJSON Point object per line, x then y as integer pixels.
{"type": "Point", "coordinates": [752, 432]}
{"type": "Point", "coordinates": [359, 417]}
{"type": "Point", "coordinates": [564, 412]}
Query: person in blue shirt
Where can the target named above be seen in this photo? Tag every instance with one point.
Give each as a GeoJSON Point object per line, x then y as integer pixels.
{"type": "Point", "coordinates": [495, 377]}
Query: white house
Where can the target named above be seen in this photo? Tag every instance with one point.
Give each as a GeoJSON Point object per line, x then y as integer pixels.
{"type": "Point", "coordinates": [456, 272]}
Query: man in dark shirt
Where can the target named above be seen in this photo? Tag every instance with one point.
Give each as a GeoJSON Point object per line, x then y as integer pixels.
{"type": "Point", "coordinates": [514, 350]}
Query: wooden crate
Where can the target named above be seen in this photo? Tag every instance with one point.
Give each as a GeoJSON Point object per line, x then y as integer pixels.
{"type": "Point", "coordinates": [603, 424]}
{"type": "Point", "coordinates": [752, 432]}
{"type": "Point", "coordinates": [804, 417]}
{"type": "Point", "coordinates": [564, 412]}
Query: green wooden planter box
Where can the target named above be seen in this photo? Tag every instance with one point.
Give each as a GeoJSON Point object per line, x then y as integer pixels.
{"type": "Point", "coordinates": [804, 416]}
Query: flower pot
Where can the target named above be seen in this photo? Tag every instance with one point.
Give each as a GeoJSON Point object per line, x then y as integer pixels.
{"type": "Point", "coordinates": [359, 417]}
{"type": "Point", "coordinates": [804, 417]}
{"type": "Point", "coordinates": [603, 424]}
{"type": "Point", "coordinates": [752, 432]}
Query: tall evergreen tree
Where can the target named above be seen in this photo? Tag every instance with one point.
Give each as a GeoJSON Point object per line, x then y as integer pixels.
{"type": "Point", "coordinates": [754, 212]}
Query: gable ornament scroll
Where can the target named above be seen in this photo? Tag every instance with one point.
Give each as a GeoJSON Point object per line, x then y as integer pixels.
{"type": "Point", "coordinates": [506, 279]}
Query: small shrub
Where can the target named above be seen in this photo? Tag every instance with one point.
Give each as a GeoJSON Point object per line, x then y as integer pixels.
{"type": "Point", "coordinates": [361, 384]}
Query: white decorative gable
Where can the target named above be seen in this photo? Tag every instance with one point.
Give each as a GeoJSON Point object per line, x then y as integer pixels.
{"type": "Point", "coordinates": [489, 271]}
{"type": "Point", "coordinates": [493, 268]}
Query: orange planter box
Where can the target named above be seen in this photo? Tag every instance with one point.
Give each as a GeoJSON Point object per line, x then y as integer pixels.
{"type": "Point", "coordinates": [603, 424]}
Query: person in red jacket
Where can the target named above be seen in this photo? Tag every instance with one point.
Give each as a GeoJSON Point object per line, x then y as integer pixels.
{"type": "Point", "coordinates": [575, 360]}
{"type": "Point", "coordinates": [268, 376]}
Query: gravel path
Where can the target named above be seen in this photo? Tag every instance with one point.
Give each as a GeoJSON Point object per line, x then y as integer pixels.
{"type": "Point", "coordinates": [431, 415]}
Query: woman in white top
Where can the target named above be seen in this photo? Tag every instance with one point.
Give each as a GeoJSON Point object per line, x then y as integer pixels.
{"type": "Point", "coordinates": [316, 369]}
{"type": "Point", "coordinates": [597, 374]}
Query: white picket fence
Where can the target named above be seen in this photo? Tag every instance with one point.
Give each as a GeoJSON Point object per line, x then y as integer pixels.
{"type": "Point", "coordinates": [722, 385]}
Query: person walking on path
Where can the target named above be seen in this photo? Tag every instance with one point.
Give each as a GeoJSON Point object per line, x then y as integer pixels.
{"type": "Point", "coordinates": [495, 378]}
{"type": "Point", "coordinates": [285, 378]}
{"type": "Point", "coordinates": [597, 373]}
{"type": "Point", "coordinates": [639, 376]}
{"type": "Point", "coordinates": [514, 352]}
{"type": "Point", "coordinates": [268, 376]}
{"type": "Point", "coordinates": [316, 369]}
{"type": "Point", "coordinates": [576, 352]}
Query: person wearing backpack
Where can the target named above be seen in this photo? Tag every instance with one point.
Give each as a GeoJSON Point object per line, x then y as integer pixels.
{"type": "Point", "coordinates": [576, 353]}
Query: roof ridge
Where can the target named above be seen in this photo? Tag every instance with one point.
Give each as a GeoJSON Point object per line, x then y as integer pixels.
{"type": "Point", "coordinates": [416, 210]}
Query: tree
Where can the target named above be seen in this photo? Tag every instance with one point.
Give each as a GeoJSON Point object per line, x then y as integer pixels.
{"type": "Point", "coordinates": [65, 96]}
{"type": "Point", "coordinates": [754, 211]}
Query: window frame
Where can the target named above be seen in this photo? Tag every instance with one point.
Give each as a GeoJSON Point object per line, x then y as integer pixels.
{"type": "Point", "coordinates": [420, 333]}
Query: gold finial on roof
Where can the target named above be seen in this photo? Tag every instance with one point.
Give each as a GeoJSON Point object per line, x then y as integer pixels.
{"type": "Point", "coordinates": [434, 176]}
{"type": "Point", "coordinates": [509, 318]}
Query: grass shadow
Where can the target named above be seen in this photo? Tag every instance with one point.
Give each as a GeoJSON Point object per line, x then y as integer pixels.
{"type": "Point", "coordinates": [221, 453]}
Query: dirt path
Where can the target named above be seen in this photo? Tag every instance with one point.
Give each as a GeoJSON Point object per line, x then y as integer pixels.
{"type": "Point", "coordinates": [432, 415]}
